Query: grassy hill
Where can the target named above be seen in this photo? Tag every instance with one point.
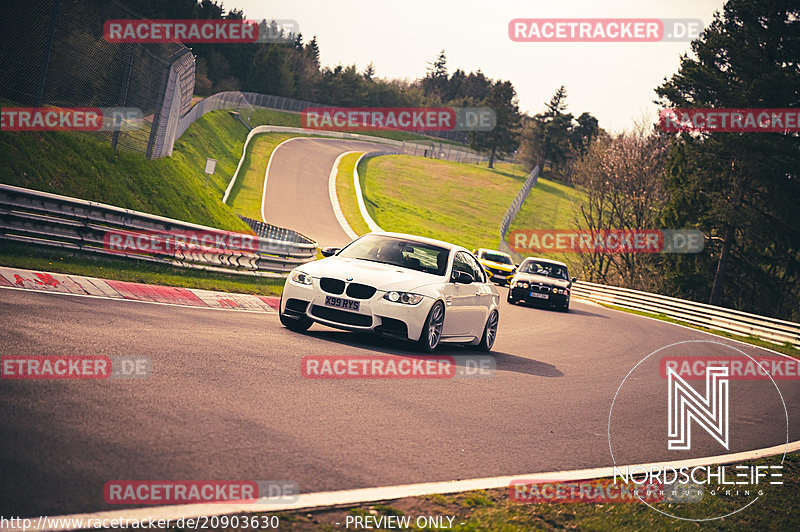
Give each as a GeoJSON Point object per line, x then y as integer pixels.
{"type": "Point", "coordinates": [84, 167]}
{"type": "Point", "coordinates": [461, 203]}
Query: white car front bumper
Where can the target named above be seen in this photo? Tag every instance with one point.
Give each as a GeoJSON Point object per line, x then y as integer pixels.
{"type": "Point", "coordinates": [375, 314]}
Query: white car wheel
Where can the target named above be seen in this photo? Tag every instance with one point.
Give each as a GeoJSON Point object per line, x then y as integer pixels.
{"type": "Point", "coordinates": [490, 332]}
{"type": "Point", "coordinates": [432, 331]}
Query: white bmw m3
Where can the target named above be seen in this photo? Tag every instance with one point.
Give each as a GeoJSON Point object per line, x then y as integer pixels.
{"type": "Point", "coordinates": [397, 285]}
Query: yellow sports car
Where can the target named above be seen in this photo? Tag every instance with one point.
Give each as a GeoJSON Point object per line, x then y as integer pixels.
{"type": "Point", "coordinates": [498, 265]}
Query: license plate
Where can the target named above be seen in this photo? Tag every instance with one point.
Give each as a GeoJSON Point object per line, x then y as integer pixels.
{"type": "Point", "coordinates": [540, 296]}
{"type": "Point", "coordinates": [339, 302]}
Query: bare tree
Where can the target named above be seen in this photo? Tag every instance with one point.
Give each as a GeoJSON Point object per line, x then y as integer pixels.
{"type": "Point", "coordinates": [621, 177]}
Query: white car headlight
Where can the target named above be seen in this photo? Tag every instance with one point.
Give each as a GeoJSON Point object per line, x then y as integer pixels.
{"type": "Point", "coordinates": [406, 298]}
{"type": "Point", "coordinates": [300, 277]}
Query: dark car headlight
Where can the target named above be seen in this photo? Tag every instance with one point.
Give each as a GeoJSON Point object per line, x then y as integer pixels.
{"type": "Point", "coordinates": [522, 284]}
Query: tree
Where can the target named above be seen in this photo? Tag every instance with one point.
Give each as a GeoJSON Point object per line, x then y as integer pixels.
{"type": "Point", "coordinates": [435, 81]}
{"type": "Point", "coordinates": [554, 139]}
{"type": "Point", "coordinates": [311, 50]}
{"type": "Point", "coordinates": [583, 133]}
{"type": "Point", "coordinates": [369, 72]}
{"type": "Point", "coordinates": [622, 179]}
{"type": "Point", "coordinates": [504, 138]}
{"type": "Point", "coordinates": [270, 72]}
{"type": "Point", "coordinates": [741, 189]}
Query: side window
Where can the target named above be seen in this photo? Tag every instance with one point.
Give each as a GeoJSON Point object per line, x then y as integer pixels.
{"type": "Point", "coordinates": [477, 269]}
{"type": "Point", "coordinates": [460, 263]}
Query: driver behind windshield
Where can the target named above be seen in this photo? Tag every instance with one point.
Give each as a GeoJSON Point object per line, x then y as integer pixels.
{"type": "Point", "coordinates": [390, 253]}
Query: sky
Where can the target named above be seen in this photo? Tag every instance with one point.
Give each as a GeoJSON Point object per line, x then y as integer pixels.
{"type": "Point", "coordinates": [615, 82]}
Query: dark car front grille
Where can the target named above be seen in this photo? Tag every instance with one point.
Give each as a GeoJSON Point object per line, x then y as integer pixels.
{"type": "Point", "coordinates": [360, 291]}
{"type": "Point", "coordinates": [543, 289]}
{"type": "Point", "coordinates": [392, 327]}
{"type": "Point", "coordinates": [341, 316]}
{"type": "Point", "coordinates": [296, 305]}
{"type": "Point", "coordinates": [331, 285]}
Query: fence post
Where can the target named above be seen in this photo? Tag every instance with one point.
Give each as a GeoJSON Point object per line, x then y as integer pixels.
{"type": "Point", "coordinates": [123, 95]}
{"type": "Point", "coordinates": [48, 47]}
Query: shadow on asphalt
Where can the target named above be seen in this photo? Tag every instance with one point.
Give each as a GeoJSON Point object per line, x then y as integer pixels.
{"type": "Point", "coordinates": [572, 310]}
{"type": "Point", "coordinates": [392, 346]}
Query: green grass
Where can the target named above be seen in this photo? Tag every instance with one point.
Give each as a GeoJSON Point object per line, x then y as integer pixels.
{"type": "Point", "coordinates": [20, 256]}
{"type": "Point", "coordinates": [245, 198]}
{"type": "Point", "coordinates": [261, 115]}
{"type": "Point", "coordinates": [456, 202]}
{"type": "Point", "coordinates": [345, 191]}
{"type": "Point", "coordinates": [493, 510]}
{"type": "Point", "coordinates": [82, 166]}
{"type": "Point", "coordinates": [550, 205]}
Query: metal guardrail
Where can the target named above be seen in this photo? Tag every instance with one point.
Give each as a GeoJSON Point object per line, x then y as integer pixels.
{"type": "Point", "coordinates": [514, 208]}
{"type": "Point", "coordinates": [244, 102]}
{"type": "Point", "coordinates": [700, 314]}
{"type": "Point", "coordinates": [40, 218]}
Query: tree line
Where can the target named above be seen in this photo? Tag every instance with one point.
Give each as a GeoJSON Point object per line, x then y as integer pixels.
{"type": "Point", "coordinates": [742, 190]}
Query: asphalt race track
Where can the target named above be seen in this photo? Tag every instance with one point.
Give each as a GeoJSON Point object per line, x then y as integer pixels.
{"type": "Point", "coordinates": [297, 187]}
{"type": "Point", "coordinates": [226, 399]}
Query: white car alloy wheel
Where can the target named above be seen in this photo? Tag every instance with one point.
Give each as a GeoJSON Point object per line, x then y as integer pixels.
{"type": "Point", "coordinates": [490, 333]}
{"type": "Point", "coordinates": [432, 333]}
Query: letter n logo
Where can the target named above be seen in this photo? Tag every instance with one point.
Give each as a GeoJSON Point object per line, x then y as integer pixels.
{"type": "Point", "coordinates": [685, 404]}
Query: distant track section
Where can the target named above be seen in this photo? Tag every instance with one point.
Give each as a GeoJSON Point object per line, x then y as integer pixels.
{"type": "Point", "coordinates": [296, 187]}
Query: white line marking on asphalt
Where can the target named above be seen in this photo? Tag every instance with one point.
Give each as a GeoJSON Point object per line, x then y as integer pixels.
{"type": "Point", "coordinates": [373, 225]}
{"type": "Point", "coordinates": [266, 176]}
{"type": "Point", "coordinates": [337, 209]}
{"type": "Point", "coordinates": [329, 499]}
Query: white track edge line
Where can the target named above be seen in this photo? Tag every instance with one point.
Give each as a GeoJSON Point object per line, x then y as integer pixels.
{"type": "Point", "coordinates": [373, 226]}
{"type": "Point", "coordinates": [266, 177]}
{"type": "Point", "coordinates": [328, 499]}
{"type": "Point", "coordinates": [337, 208]}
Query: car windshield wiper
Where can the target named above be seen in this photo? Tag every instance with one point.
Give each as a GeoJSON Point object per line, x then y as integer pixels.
{"type": "Point", "coordinates": [371, 260]}
{"type": "Point", "coordinates": [389, 263]}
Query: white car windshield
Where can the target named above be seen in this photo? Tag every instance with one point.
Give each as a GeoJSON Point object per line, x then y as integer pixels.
{"type": "Point", "coordinates": [401, 252]}
{"type": "Point", "coordinates": [544, 268]}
